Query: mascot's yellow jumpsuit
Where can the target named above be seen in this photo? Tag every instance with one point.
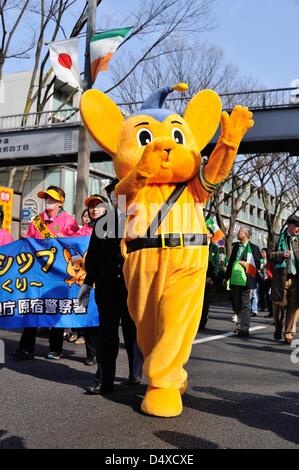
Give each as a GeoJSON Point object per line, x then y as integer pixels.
{"type": "Point", "coordinates": [153, 151]}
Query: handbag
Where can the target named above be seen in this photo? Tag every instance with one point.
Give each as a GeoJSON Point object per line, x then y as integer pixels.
{"type": "Point", "coordinates": [238, 276]}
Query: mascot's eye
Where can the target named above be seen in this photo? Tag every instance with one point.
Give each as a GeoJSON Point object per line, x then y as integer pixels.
{"type": "Point", "coordinates": [144, 137]}
{"type": "Point", "coordinates": [178, 136]}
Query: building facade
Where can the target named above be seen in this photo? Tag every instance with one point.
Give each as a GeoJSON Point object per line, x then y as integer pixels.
{"type": "Point", "coordinates": [252, 214]}
{"type": "Point", "coordinates": [53, 131]}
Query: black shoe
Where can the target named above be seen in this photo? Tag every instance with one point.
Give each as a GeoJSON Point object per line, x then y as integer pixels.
{"type": "Point", "coordinates": [243, 333]}
{"type": "Point", "coordinates": [53, 356]}
{"type": "Point", "coordinates": [288, 340]}
{"type": "Point", "coordinates": [94, 389]}
{"type": "Point", "coordinates": [90, 361]}
{"type": "Point", "coordinates": [278, 334]}
{"type": "Point", "coordinates": [106, 389]}
{"type": "Point", "coordinates": [22, 355]}
{"type": "Point", "coordinates": [133, 381]}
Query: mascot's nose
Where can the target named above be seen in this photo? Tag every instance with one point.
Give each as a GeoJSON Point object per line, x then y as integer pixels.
{"type": "Point", "coordinates": [167, 150]}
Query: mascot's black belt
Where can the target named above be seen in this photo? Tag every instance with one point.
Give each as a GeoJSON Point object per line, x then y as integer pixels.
{"type": "Point", "coordinates": [168, 240]}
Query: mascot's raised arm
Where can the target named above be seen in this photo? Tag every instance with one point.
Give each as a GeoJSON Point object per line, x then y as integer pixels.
{"type": "Point", "coordinates": [156, 155]}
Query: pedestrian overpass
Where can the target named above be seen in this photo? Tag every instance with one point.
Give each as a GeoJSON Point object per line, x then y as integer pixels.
{"type": "Point", "coordinates": [51, 137]}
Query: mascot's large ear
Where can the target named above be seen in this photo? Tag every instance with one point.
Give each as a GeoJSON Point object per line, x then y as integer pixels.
{"type": "Point", "coordinates": [203, 114]}
{"type": "Point", "coordinates": [102, 118]}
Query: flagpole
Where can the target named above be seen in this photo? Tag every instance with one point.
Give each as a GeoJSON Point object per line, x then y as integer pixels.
{"type": "Point", "coordinates": [82, 186]}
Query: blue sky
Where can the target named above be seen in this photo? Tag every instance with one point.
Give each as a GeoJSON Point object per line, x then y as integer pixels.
{"type": "Point", "coordinates": [260, 37]}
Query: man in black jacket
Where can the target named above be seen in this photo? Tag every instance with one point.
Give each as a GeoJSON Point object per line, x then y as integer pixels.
{"type": "Point", "coordinates": [212, 271]}
{"type": "Point", "coordinates": [103, 266]}
{"type": "Point", "coordinates": [284, 253]}
{"type": "Point", "coordinates": [245, 256]}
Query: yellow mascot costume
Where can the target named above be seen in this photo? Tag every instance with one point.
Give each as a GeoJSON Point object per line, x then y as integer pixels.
{"type": "Point", "coordinates": [156, 155]}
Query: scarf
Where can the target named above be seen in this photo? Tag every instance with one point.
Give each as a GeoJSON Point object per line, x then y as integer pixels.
{"type": "Point", "coordinates": [282, 246]}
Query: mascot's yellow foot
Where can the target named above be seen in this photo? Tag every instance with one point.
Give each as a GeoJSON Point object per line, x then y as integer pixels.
{"type": "Point", "coordinates": [184, 387]}
{"type": "Point", "coordinates": [164, 402]}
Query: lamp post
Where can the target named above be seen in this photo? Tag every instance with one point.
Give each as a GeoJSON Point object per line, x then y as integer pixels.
{"type": "Point", "coordinates": [83, 163]}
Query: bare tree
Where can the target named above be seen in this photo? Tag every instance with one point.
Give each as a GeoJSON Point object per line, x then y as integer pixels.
{"type": "Point", "coordinates": [158, 22]}
{"type": "Point", "coordinates": [274, 176]}
{"type": "Point", "coordinates": [155, 21]}
{"type": "Point", "coordinates": [200, 66]}
{"type": "Point", "coordinates": [278, 181]}
{"type": "Point", "coordinates": [235, 194]}
{"type": "Point", "coordinates": [11, 14]}
{"type": "Point", "coordinates": [50, 15]}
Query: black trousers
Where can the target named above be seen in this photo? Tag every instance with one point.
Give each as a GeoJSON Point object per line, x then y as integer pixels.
{"type": "Point", "coordinates": [27, 340]}
{"type": "Point", "coordinates": [206, 306]}
{"type": "Point", "coordinates": [264, 295]}
{"type": "Point", "coordinates": [111, 299]}
{"type": "Point", "coordinates": [91, 341]}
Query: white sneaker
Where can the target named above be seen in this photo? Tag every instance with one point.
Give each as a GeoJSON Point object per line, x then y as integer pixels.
{"type": "Point", "coordinates": [235, 318]}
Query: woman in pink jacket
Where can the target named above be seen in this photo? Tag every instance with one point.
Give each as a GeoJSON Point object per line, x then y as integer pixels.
{"type": "Point", "coordinates": [5, 237]}
{"type": "Point", "coordinates": [56, 220]}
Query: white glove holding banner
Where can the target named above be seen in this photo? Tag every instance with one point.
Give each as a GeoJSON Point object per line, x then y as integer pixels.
{"type": "Point", "coordinates": [84, 293]}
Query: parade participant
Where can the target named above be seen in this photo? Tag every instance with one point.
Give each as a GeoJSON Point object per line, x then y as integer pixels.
{"type": "Point", "coordinates": [156, 156]}
{"type": "Point", "coordinates": [85, 217]}
{"type": "Point", "coordinates": [284, 253]}
{"type": "Point", "coordinates": [5, 237]}
{"type": "Point", "coordinates": [95, 208]}
{"type": "Point", "coordinates": [53, 222]}
{"type": "Point", "coordinates": [73, 335]}
{"type": "Point", "coordinates": [104, 270]}
{"type": "Point", "coordinates": [265, 280]}
{"type": "Point", "coordinates": [242, 271]}
{"type": "Point", "coordinates": [95, 205]}
{"type": "Point", "coordinates": [56, 219]}
{"type": "Point", "coordinates": [212, 271]}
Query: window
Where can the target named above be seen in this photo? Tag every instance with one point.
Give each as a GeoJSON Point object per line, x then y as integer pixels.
{"type": "Point", "coordinates": [259, 213]}
{"type": "Point", "coordinates": [69, 188]}
{"type": "Point", "coordinates": [226, 199]}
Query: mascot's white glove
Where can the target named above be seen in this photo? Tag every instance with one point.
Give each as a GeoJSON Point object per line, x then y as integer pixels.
{"type": "Point", "coordinates": [84, 293]}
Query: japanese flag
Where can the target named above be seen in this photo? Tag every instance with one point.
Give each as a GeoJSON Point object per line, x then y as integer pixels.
{"type": "Point", "coordinates": [64, 60]}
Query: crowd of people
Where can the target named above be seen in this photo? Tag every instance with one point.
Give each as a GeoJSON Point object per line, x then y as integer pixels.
{"type": "Point", "coordinates": [256, 280]}
{"type": "Point", "coordinates": [266, 278]}
{"type": "Point", "coordinates": [103, 272]}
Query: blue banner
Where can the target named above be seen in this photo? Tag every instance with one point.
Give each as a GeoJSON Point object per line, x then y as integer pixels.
{"type": "Point", "coordinates": [40, 282]}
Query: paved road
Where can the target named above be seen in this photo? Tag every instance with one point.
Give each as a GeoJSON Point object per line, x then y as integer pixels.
{"type": "Point", "coordinates": [243, 393]}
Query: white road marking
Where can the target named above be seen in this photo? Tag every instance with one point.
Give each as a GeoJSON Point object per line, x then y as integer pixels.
{"type": "Point", "coordinates": [213, 338]}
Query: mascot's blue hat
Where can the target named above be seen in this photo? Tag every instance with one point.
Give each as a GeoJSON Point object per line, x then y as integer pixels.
{"type": "Point", "coordinates": [74, 252]}
{"type": "Point", "coordinates": [152, 106]}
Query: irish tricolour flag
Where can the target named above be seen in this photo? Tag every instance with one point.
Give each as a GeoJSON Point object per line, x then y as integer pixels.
{"type": "Point", "coordinates": [214, 229]}
{"type": "Point", "coordinates": [102, 47]}
{"type": "Point", "coordinates": [250, 267]}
